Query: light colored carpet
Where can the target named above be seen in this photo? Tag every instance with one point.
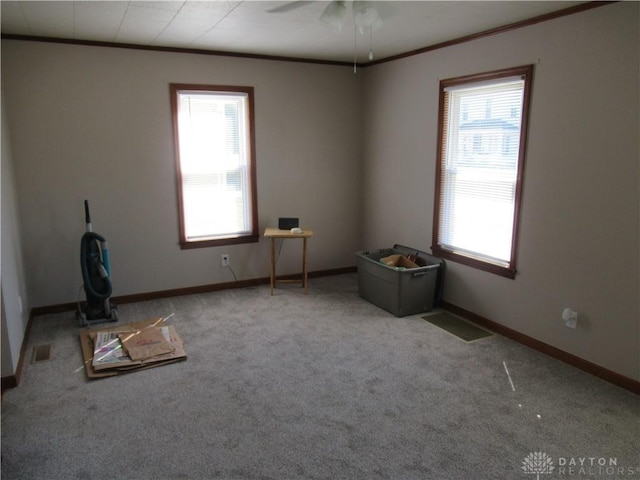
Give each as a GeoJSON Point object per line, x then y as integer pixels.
{"type": "Point", "coordinates": [322, 386]}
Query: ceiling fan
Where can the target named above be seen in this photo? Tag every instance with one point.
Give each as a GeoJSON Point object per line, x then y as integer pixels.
{"type": "Point", "coordinates": [366, 14]}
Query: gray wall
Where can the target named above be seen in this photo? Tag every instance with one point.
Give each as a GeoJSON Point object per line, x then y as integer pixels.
{"type": "Point", "coordinates": [580, 214]}
{"type": "Point", "coordinates": [94, 123]}
{"type": "Point", "coordinates": [90, 122]}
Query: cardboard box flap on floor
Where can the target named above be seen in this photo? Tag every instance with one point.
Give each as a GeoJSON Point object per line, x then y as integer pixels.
{"type": "Point", "coordinates": [152, 341]}
{"type": "Point", "coordinates": [146, 343]}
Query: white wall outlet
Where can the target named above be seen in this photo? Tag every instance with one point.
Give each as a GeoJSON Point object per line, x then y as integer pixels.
{"type": "Point", "coordinates": [570, 318]}
{"type": "Point", "coordinates": [225, 260]}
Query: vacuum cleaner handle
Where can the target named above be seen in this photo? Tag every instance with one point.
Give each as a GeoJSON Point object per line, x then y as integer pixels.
{"type": "Point", "coordinates": [87, 215]}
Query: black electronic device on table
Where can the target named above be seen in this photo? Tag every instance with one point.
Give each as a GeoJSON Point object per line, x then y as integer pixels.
{"type": "Point", "coordinates": [287, 223]}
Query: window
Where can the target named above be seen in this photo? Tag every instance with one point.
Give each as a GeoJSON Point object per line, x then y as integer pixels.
{"type": "Point", "coordinates": [215, 154]}
{"type": "Point", "coordinates": [482, 133]}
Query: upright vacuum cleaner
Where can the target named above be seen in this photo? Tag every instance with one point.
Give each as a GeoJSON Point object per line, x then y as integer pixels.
{"type": "Point", "coordinates": [94, 262]}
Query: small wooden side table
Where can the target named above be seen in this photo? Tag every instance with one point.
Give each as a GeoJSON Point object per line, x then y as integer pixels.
{"type": "Point", "coordinates": [274, 233]}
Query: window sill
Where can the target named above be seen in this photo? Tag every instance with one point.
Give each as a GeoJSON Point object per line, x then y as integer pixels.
{"type": "Point", "coordinates": [506, 272]}
{"type": "Point", "coordinates": [218, 242]}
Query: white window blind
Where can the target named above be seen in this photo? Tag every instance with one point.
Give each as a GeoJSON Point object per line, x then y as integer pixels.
{"type": "Point", "coordinates": [214, 164]}
{"type": "Point", "coordinates": [479, 169]}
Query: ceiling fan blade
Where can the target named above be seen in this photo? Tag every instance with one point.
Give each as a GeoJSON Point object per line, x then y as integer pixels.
{"type": "Point", "coordinates": [289, 6]}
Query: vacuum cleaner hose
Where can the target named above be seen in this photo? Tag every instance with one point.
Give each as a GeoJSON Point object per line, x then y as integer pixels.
{"type": "Point", "coordinates": [96, 279]}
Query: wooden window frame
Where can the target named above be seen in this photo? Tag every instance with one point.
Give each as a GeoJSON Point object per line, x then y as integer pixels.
{"type": "Point", "coordinates": [526, 72]}
{"type": "Point", "coordinates": [254, 235]}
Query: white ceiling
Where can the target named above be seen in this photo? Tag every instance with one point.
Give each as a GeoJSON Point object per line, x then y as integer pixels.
{"type": "Point", "coordinates": [248, 27]}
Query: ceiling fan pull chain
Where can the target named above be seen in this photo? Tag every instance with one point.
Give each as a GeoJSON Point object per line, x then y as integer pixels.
{"type": "Point", "coordinates": [371, 43]}
{"type": "Point", "coordinates": [355, 42]}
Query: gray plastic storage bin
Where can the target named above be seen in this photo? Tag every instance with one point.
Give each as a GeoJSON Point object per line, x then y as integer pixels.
{"type": "Point", "coordinates": [400, 291]}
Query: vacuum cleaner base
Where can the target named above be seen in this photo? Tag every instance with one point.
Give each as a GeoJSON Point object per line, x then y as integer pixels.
{"type": "Point", "coordinates": [93, 314]}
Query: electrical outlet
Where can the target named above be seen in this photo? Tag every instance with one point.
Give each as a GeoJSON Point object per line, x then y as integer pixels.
{"type": "Point", "coordinates": [570, 318]}
{"type": "Point", "coordinates": [225, 260]}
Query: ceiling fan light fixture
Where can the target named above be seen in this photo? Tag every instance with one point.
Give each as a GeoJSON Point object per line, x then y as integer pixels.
{"type": "Point", "coordinates": [367, 16]}
{"type": "Point", "coordinates": [370, 28]}
{"type": "Point", "coordinates": [335, 15]}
